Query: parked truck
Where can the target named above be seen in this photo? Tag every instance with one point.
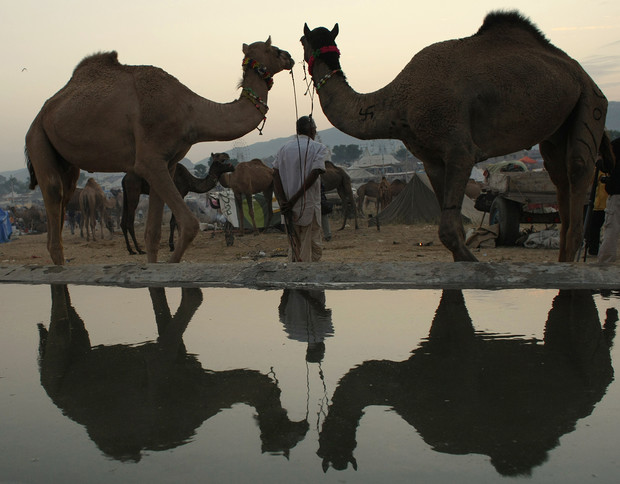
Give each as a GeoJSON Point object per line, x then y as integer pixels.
{"type": "Point", "coordinates": [518, 197]}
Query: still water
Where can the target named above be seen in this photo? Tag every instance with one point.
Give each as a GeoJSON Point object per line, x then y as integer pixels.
{"type": "Point", "coordinates": [103, 384]}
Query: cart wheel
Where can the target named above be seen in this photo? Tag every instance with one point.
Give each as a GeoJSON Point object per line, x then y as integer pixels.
{"type": "Point", "coordinates": [506, 214]}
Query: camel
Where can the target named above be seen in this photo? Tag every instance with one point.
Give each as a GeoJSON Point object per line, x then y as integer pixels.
{"type": "Point", "coordinates": [250, 177]}
{"type": "Point", "coordinates": [517, 398]}
{"type": "Point", "coordinates": [184, 181]}
{"type": "Point", "coordinates": [335, 178]}
{"type": "Point", "coordinates": [138, 119]}
{"type": "Point", "coordinates": [462, 101]}
{"type": "Point", "coordinates": [136, 399]}
{"type": "Point", "coordinates": [94, 204]}
{"type": "Point", "coordinates": [366, 193]}
{"type": "Point", "coordinates": [74, 215]}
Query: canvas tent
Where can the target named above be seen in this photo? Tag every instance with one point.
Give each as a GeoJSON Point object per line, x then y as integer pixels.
{"type": "Point", "coordinates": [417, 204]}
{"type": "Point", "coordinates": [5, 226]}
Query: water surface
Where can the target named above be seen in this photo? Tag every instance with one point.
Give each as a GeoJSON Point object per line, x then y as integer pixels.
{"type": "Point", "coordinates": [237, 385]}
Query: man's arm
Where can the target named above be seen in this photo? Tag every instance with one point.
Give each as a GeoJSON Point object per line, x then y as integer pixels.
{"type": "Point", "coordinates": [278, 189]}
{"type": "Point", "coordinates": [310, 180]}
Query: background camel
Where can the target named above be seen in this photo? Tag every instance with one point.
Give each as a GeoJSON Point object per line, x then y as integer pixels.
{"type": "Point", "coordinates": [367, 193]}
{"type": "Point", "coordinates": [74, 214]}
{"type": "Point", "coordinates": [462, 101]}
{"type": "Point", "coordinates": [470, 392]}
{"type": "Point", "coordinates": [152, 396]}
{"type": "Point", "coordinates": [138, 119]}
{"type": "Point", "coordinates": [184, 181]}
{"type": "Point", "coordinates": [335, 178]}
{"type": "Point", "coordinates": [94, 205]}
{"type": "Point", "coordinates": [250, 177]}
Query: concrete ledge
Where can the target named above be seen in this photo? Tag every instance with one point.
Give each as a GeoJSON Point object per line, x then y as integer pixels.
{"type": "Point", "coordinates": [371, 275]}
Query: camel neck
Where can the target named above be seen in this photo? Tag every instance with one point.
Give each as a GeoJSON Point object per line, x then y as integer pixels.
{"type": "Point", "coordinates": [364, 116]}
{"type": "Point", "coordinates": [224, 122]}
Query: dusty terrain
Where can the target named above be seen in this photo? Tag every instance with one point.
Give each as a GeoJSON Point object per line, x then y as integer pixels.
{"type": "Point", "coordinates": [393, 243]}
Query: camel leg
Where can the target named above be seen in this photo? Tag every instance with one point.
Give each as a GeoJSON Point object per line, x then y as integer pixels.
{"type": "Point", "coordinates": [93, 224]}
{"type": "Point", "coordinates": [51, 172]}
{"type": "Point", "coordinates": [173, 225]}
{"type": "Point", "coordinates": [163, 190]}
{"type": "Point", "coordinates": [449, 181]}
{"type": "Point", "coordinates": [239, 204]}
{"type": "Point", "coordinates": [572, 172]}
{"type": "Point", "coordinates": [553, 152]}
{"type": "Point", "coordinates": [248, 198]}
{"type": "Point", "coordinates": [130, 204]}
{"type": "Point", "coordinates": [152, 231]}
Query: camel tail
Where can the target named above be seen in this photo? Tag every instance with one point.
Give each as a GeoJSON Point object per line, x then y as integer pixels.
{"type": "Point", "coordinates": [607, 153]}
{"type": "Point", "coordinates": [33, 176]}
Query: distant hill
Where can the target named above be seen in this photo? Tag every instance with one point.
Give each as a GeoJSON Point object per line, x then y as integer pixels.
{"type": "Point", "coordinates": [613, 116]}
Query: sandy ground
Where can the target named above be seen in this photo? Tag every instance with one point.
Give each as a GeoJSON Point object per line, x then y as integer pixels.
{"type": "Point", "coordinates": [393, 243]}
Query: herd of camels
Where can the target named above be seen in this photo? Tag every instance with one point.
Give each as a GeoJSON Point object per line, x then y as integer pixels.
{"type": "Point", "coordinates": [456, 103]}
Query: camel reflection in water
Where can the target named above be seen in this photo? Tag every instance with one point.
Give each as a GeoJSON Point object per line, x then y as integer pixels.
{"type": "Point", "coordinates": [473, 392]}
{"type": "Point", "coordinates": [151, 396]}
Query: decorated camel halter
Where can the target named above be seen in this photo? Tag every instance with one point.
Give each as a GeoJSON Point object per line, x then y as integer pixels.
{"type": "Point", "coordinates": [315, 55]}
{"type": "Point", "coordinates": [260, 69]}
{"type": "Point", "coordinates": [251, 95]}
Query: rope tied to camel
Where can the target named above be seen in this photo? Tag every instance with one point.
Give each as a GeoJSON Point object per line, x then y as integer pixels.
{"type": "Point", "coordinates": [259, 104]}
{"type": "Point", "coordinates": [318, 85]}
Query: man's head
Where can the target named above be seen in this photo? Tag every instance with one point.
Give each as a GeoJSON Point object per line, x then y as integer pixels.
{"type": "Point", "coordinates": [305, 125]}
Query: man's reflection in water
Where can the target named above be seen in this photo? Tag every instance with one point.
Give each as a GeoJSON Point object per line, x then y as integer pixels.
{"type": "Point", "coordinates": [151, 396]}
{"type": "Point", "coordinates": [473, 392]}
{"type": "Point", "coordinates": [306, 319]}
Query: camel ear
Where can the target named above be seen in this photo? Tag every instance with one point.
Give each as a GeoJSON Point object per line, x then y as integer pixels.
{"type": "Point", "coordinates": [245, 49]}
{"type": "Point", "coordinates": [335, 31]}
{"type": "Point", "coordinates": [306, 30]}
{"type": "Point", "coordinates": [268, 41]}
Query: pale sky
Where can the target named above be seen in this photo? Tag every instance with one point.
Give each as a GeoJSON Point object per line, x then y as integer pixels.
{"type": "Point", "coordinates": [199, 42]}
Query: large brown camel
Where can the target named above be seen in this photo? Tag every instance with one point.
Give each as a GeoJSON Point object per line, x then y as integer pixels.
{"type": "Point", "coordinates": [94, 205]}
{"type": "Point", "coordinates": [111, 117]}
{"type": "Point", "coordinates": [184, 181]}
{"type": "Point", "coordinates": [335, 178]}
{"type": "Point", "coordinates": [462, 101]}
{"type": "Point", "coordinates": [250, 177]}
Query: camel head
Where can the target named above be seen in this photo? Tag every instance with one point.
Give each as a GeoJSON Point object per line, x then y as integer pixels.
{"type": "Point", "coordinates": [321, 43]}
{"type": "Point", "coordinates": [266, 59]}
{"type": "Point", "coordinates": [220, 164]}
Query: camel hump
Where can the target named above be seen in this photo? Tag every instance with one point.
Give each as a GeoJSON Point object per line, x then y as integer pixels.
{"type": "Point", "coordinates": [101, 59]}
{"type": "Point", "coordinates": [501, 20]}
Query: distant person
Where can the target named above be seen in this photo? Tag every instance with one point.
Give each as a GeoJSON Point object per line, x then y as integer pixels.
{"type": "Point", "coordinates": [611, 226]}
{"type": "Point", "coordinates": [597, 217]}
{"type": "Point", "coordinates": [296, 171]}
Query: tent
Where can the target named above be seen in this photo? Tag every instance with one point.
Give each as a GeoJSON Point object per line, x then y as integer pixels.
{"type": "Point", "coordinates": [5, 226]}
{"type": "Point", "coordinates": [417, 204]}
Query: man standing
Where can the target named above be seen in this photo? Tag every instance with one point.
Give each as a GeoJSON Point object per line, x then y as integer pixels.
{"type": "Point", "coordinates": [296, 172]}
